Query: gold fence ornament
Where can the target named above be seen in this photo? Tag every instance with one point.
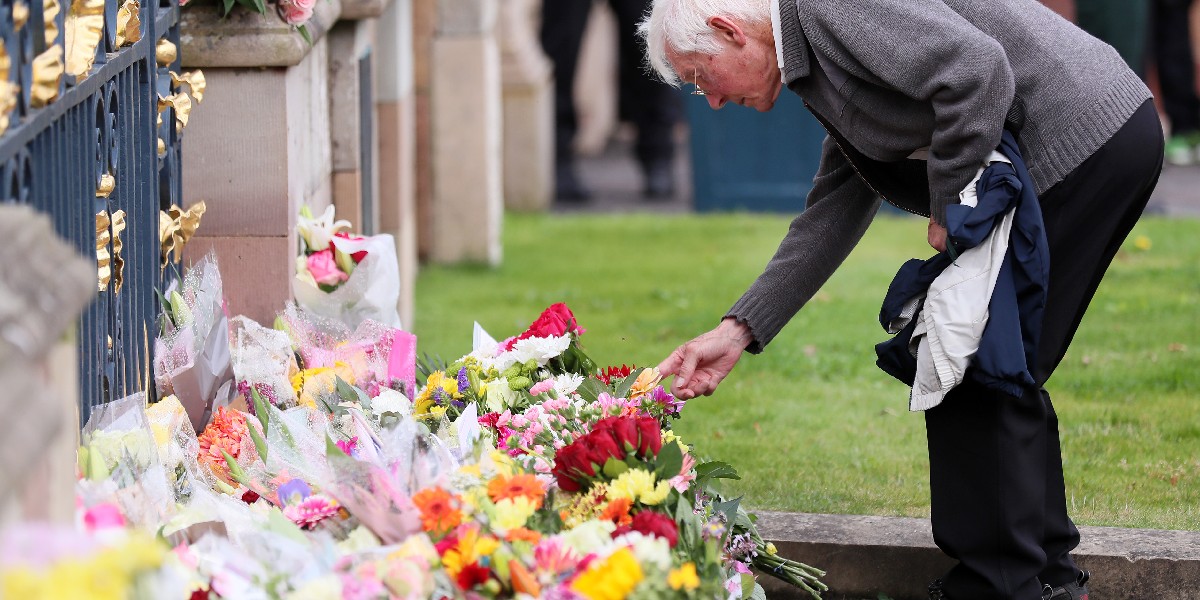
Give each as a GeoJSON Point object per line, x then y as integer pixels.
{"type": "Point", "coordinates": [50, 10]}
{"type": "Point", "coordinates": [47, 75]}
{"type": "Point", "coordinates": [84, 32]}
{"type": "Point", "coordinates": [103, 258]}
{"type": "Point", "coordinates": [129, 26]}
{"type": "Point", "coordinates": [20, 15]}
{"type": "Point", "coordinates": [118, 270]}
{"type": "Point", "coordinates": [195, 81]}
{"type": "Point", "coordinates": [8, 89]}
{"type": "Point", "coordinates": [176, 227]}
{"type": "Point", "coordinates": [106, 186]}
{"type": "Point", "coordinates": [165, 52]}
{"type": "Point", "coordinates": [182, 105]}
{"type": "Point", "coordinates": [162, 148]}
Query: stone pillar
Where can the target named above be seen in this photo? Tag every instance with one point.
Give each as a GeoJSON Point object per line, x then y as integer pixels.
{"type": "Point", "coordinates": [258, 147]}
{"type": "Point", "coordinates": [396, 107]}
{"type": "Point", "coordinates": [354, 172]}
{"type": "Point", "coordinates": [424, 29]}
{"type": "Point", "coordinates": [467, 205]}
{"type": "Point", "coordinates": [528, 109]}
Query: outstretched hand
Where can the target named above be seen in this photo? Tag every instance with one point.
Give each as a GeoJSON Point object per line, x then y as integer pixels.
{"type": "Point", "coordinates": [701, 364]}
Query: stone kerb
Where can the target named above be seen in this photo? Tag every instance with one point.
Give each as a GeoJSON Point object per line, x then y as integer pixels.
{"type": "Point", "coordinates": [865, 556]}
{"type": "Point", "coordinates": [258, 146]}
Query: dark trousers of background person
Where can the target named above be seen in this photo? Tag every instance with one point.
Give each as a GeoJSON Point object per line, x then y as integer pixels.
{"type": "Point", "coordinates": [1120, 23]}
{"type": "Point", "coordinates": [1172, 42]}
{"type": "Point", "coordinates": [651, 105]}
{"type": "Point", "coordinates": [995, 464]}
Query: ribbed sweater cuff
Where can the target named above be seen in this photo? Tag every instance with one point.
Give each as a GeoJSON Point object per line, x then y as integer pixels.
{"type": "Point", "coordinates": [761, 316]}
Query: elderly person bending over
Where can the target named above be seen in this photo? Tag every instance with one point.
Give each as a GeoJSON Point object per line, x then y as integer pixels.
{"type": "Point", "coordinates": [915, 95]}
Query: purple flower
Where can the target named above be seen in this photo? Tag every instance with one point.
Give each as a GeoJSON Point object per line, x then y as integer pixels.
{"type": "Point", "coordinates": [294, 491]}
{"type": "Point", "coordinates": [671, 404]}
{"type": "Point", "coordinates": [459, 404]}
{"type": "Point", "coordinates": [439, 397]}
{"type": "Point", "coordinates": [464, 383]}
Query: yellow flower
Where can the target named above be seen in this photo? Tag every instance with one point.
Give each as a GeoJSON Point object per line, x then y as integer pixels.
{"type": "Point", "coordinates": [469, 549]}
{"type": "Point", "coordinates": [638, 485]}
{"type": "Point", "coordinates": [1142, 243]}
{"type": "Point", "coordinates": [612, 579]}
{"type": "Point", "coordinates": [646, 381]}
{"type": "Point", "coordinates": [684, 578]}
{"type": "Point", "coordinates": [309, 384]}
{"type": "Point", "coordinates": [438, 386]}
{"type": "Point", "coordinates": [512, 513]}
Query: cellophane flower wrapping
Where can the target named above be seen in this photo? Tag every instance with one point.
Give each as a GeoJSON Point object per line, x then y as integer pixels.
{"type": "Point", "coordinates": [120, 462]}
{"type": "Point", "coordinates": [192, 354]}
{"type": "Point", "coordinates": [263, 360]}
{"type": "Point", "coordinates": [372, 291]}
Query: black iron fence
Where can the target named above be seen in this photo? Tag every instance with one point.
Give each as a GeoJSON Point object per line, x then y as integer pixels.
{"type": "Point", "coordinates": [91, 116]}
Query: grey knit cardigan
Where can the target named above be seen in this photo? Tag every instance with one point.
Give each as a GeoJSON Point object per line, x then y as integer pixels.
{"type": "Point", "coordinates": [891, 77]}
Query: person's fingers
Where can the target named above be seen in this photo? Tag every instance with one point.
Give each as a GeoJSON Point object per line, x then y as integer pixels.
{"type": "Point", "coordinates": [670, 364]}
{"type": "Point", "coordinates": [687, 366]}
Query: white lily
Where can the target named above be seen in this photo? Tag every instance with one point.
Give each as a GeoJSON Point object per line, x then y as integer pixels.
{"type": "Point", "coordinates": [317, 232]}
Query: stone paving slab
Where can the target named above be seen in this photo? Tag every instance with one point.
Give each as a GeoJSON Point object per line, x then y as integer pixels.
{"type": "Point", "coordinates": [865, 556]}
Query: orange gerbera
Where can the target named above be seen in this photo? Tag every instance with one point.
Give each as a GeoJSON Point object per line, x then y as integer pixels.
{"type": "Point", "coordinates": [617, 511]}
{"type": "Point", "coordinates": [439, 509]}
{"type": "Point", "coordinates": [517, 486]}
{"type": "Point", "coordinates": [522, 534]}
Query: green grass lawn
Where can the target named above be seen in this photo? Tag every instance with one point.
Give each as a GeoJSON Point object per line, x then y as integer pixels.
{"type": "Point", "coordinates": [811, 423]}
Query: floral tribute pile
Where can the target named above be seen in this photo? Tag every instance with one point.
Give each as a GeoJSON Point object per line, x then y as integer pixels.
{"type": "Point", "coordinates": [518, 471]}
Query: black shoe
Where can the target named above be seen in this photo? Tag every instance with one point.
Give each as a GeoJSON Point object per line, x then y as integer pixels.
{"type": "Point", "coordinates": [660, 181]}
{"type": "Point", "coordinates": [936, 592]}
{"type": "Point", "coordinates": [567, 186]}
{"type": "Point", "coordinates": [1073, 590]}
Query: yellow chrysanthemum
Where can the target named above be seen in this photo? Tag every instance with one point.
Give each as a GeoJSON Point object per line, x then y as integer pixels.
{"type": "Point", "coordinates": [612, 579]}
{"type": "Point", "coordinates": [684, 578]}
{"type": "Point", "coordinates": [638, 485]}
{"type": "Point", "coordinates": [310, 383]}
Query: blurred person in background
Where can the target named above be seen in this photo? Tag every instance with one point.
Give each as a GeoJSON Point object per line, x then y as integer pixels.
{"type": "Point", "coordinates": [652, 106]}
{"type": "Point", "coordinates": [1123, 24]}
{"type": "Point", "coordinates": [1171, 37]}
{"type": "Point", "coordinates": [915, 95]}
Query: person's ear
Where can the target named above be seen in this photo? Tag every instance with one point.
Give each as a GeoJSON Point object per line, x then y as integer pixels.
{"type": "Point", "coordinates": [728, 30]}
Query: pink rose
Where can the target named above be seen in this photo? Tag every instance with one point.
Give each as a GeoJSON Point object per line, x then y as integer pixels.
{"type": "Point", "coordinates": [324, 268]}
{"type": "Point", "coordinates": [296, 12]}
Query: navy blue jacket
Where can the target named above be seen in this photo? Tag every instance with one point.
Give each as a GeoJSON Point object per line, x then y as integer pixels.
{"type": "Point", "coordinates": [1008, 348]}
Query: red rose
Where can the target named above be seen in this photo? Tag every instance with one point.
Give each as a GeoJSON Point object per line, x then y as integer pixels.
{"type": "Point", "coordinates": [601, 446]}
{"type": "Point", "coordinates": [651, 441]}
{"type": "Point", "coordinates": [572, 466]}
{"type": "Point", "coordinates": [654, 524]}
{"type": "Point", "coordinates": [625, 430]}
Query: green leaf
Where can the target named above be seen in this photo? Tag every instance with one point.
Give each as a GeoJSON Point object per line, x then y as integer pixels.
{"type": "Point", "coordinates": [627, 383]}
{"type": "Point", "coordinates": [226, 6]}
{"type": "Point", "coordinates": [346, 391]}
{"type": "Point", "coordinates": [235, 470]}
{"type": "Point", "coordinates": [613, 468]}
{"type": "Point", "coordinates": [259, 443]}
{"type": "Point", "coordinates": [260, 409]}
{"type": "Point", "coordinates": [303, 29]}
{"type": "Point", "coordinates": [669, 461]}
{"type": "Point", "coordinates": [759, 593]}
{"type": "Point", "coordinates": [729, 508]}
{"type": "Point", "coordinates": [590, 389]}
{"type": "Point", "coordinates": [332, 450]}
{"type": "Point", "coordinates": [715, 470]}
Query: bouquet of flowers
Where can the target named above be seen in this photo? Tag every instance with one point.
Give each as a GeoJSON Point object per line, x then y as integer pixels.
{"type": "Point", "coordinates": [343, 276]}
{"type": "Point", "coordinates": [192, 353]}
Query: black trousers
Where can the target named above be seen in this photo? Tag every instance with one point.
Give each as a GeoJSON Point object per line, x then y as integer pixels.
{"type": "Point", "coordinates": [995, 464]}
{"type": "Point", "coordinates": [1171, 40]}
{"type": "Point", "coordinates": [651, 105]}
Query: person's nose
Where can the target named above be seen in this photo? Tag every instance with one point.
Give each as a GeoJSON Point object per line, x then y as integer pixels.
{"type": "Point", "coordinates": [715, 101]}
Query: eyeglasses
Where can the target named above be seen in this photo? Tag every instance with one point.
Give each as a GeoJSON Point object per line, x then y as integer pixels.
{"type": "Point", "coordinates": [696, 91]}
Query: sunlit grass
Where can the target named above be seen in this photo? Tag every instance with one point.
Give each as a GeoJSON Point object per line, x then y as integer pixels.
{"type": "Point", "coordinates": [811, 423]}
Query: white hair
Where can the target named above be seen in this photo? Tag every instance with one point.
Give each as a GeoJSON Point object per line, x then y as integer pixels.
{"type": "Point", "coordinates": [682, 27]}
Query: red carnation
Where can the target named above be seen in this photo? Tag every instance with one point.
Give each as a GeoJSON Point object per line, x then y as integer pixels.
{"type": "Point", "coordinates": [654, 524]}
{"type": "Point", "coordinates": [555, 321]}
{"type": "Point", "coordinates": [357, 256]}
{"type": "Point", "coordinates": [615, 374]}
